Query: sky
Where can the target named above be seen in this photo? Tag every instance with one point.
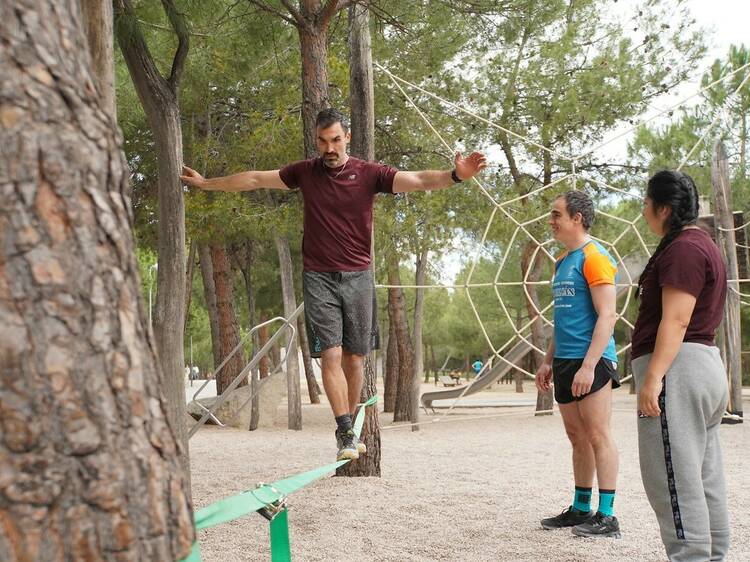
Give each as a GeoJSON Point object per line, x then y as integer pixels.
{"type": "Point", "coordinates": [725, 23]}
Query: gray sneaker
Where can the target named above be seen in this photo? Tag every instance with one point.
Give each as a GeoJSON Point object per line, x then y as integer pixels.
{"type": "Point", "coordinates": [599, 525]}
{"type": "Point", "coordinates": [347, 449]}
{"type": "Point", "coordinates": [570, 517]}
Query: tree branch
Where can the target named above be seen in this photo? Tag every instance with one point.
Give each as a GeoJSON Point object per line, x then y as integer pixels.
{"type": "Point", "coordinates": [177, 20]}
{"type": "Point", "coordinates": [266, 8]}
{"type": "Point", "coordinates": [296, 14]}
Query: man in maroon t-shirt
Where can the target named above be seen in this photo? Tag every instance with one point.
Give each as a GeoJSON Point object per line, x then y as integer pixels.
{"type": "Point", "coordinates": [338, 193]}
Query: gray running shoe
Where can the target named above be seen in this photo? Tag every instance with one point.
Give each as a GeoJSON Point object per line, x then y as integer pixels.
{"type": "Point", "coordinates": [347, 449]}
{"type": "Point", "coordinates": [599, 525]}
{"type": "Point", "coordinates": [570, 517]}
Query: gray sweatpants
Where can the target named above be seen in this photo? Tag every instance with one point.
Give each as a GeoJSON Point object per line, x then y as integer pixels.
{"type": "Point", "coordinates": [680, 455]}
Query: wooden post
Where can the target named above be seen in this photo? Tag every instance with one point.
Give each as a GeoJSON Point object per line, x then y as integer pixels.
{"type": "Point", "coordinates": [724, 224]}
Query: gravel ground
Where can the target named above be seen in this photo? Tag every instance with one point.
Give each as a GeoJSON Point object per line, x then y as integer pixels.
{"type": "Point", "coordinates": [462, 489]}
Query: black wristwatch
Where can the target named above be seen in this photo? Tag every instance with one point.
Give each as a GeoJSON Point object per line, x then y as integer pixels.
{"type": "Point", "coordinates": [454, 176]}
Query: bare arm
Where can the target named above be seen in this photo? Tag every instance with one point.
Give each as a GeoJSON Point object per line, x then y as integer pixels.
{"type": "Point", "coordinates": [428, 180]}
{"type": "Point", "coordinates": [244, 181]}
{"type": "Point", "coordinates": [676, 310]}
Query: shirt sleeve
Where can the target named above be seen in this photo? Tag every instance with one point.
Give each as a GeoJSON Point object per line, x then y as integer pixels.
{"type": "Point", "coordinates": [598, 269]}
{"type": "Point", "coordinates": [683, 266]}
{"type": "Point", "coordinates": [384, 178]}
{"type": "Point", "coordinates": [291, 173]}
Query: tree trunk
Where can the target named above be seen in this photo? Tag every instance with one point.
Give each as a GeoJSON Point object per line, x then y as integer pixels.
{"type": "Point", "coordinates": [97, 21]}
{"type": "Point", "coordinates": [390, 381]}
{"type": "Point", "coordinates": [363, 130]}
{"type": "Point", "coordinates": [313, 390]}
{"type": "Point", "coordinates": [89, 457]}
{"type": "Point", "coordinates": [407, 382]}
{"type": "Point", "coordinates": [421, 267]}
{"type": "Point", "coordinates": [290, 305]}
{"type": "Point", "coordinates": [229, 333]}
{"type": "Point", "coordinates": [724, 223]}
{"type": "Point", "coordinates": [189, 281]}
{"type": "Point", "coordinates": [261, 373]}
{"type": "Point", "coordinates": [264, 365]}
{"type": "Point", "coordinates": [209, 293]}
{"type": "Point", "coordinates": [159, 97]}
{"type": "Point", "coordinates": [314, 82]}
{"type": "Point", "coordinates": [544, 400]}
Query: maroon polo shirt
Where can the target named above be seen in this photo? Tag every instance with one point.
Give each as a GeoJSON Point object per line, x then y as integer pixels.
{"type": "Point", "coordinates": [337, 210]}
{"type": "Point", "coordinates": [691, 263]}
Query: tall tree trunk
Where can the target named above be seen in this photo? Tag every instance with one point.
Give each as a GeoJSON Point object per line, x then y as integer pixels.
{"type": "Point", "coordinates": [518, 375]}
{"type": "Point", "coordinates": [421, 273]}
{"type": "Point", "coordinates": [264, 365]}
{"type": "Point", "coordinates": [363, 130]}
{"type": "Point", "coordinates": [262, 373]}
{"type": "Point", "coordinates": [229, 333]}
{"type": "Point", "coordinates": [97, 21]}
{"type": "Point", "coordinates": [313, 43]}
{"type": "Point", "coordinates": [390, 381]}
{"type": "Point", "coordinates": [159, 97]}
{"type": "Point", "coordinates": [294, 403]}
{"type": "Point", "coordinates": [209, 293]}
{"type": "Point", "coordinates": [313, 390]}
{"type": "Point", "coordinates": [89, 457]}
{"type": "Point", "coordinates": [725, 225]}
{"type": "Point", "coordinates": [544, 400]}
{"type": "Point", "coordinates": [189, 280]}
{"type": "Point", "coordinates": [405, 394]}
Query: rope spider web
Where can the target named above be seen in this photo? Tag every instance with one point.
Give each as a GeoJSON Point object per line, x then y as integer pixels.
{"type": "Point", "coordinates": [503, 210]}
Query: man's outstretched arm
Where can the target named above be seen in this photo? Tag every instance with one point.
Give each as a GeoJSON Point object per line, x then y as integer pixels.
{"type": "Point", "coordinates": [465, 168]}
{"type": "Point", "coordinates": [244, 181]}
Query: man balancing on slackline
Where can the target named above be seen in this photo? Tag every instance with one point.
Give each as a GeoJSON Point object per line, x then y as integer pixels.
{"type": "Point", "coordinates": [339, 290]}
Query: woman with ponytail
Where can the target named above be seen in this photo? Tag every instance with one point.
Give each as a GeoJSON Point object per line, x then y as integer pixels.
{"type": "Point", "coordinates": [680, 378]}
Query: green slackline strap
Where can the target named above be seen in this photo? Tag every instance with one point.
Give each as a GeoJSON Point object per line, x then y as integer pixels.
{"type": "Point", "coordinates": [237, 506]}
{"type": "Point", "coordinates": [281, 551]}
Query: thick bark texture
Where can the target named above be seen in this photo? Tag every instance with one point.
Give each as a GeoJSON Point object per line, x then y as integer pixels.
{"type": "Point", "coordinates": [158, 96]}
{"type": "Point", "coordinates": [406, 378]}
{"type": "Point", "coordinates": [294, 403]}
{"type": "Point", "coordinates": [313, 390]}
{"type": "Point", "coordinates": [363, 129]}
{"type": "Point", "coordinates": [89, 461]}
{"type": "Point", "coordinates": [209, 294]}
{"type": "Point", "coordinates": [544, 400]}
{"type": "Point", "coordinates": [229, 332]}
{"type": "Point", "coordinates": [421, 272]}
{"type": "Point", "coordinates": [97, 21]}
{"type": "Point", "coordinates": [390, 378]}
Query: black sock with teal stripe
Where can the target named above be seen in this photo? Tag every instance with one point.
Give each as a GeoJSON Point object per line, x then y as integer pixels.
{"type": "Point", "coordinates": [582, 499]}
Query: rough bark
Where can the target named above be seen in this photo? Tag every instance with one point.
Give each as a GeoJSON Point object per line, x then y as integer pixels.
{"type": "Point", "coordinates": [544, 400]}
{"type": "Point", "coordinates": [97, 21]}
{"type": "Point", "coordinates": [294, 403]}
{"type": "Point", "coordinates": [421, 272]}
{"type": "Point", "coordinates": [89, 460]}
{"type": "Point", "coordinates": [209, 293]}
{"type": "Point", "coordinates": [363, 130]}
{"type": "Point", "coordinates": [390, 381]}
{"type": "Point", "coordinates": [313, 390]}
{"type": "Point", "coordinates": [264, 365]}
{"type": "Point", "coordinates": [159, 98]}
{"type": "Point", "coordinates": [189, 280]}
{"type": "Point", "coordinates": [403, 408]}
{"type": "Point", "coordinates": [229, 332]}
{"type": "Point", "coordinates": [724, 224]}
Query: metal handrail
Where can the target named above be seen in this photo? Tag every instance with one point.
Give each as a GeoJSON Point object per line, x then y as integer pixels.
{"type": "Point", "coordinates": [250, 366]}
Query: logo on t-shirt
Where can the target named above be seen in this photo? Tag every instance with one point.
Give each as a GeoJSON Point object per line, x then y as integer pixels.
{"type": "Point", "coordinates": [353, 177]}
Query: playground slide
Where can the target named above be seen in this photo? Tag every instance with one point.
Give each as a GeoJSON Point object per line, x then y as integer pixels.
{"type": "Point", "coordinates": [634, 265]}
{"type": "Point", "coordinates": [498, 370]}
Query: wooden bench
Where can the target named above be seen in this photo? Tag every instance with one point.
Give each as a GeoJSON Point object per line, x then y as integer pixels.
{"type": "Point", "coordinates": [448, 381]}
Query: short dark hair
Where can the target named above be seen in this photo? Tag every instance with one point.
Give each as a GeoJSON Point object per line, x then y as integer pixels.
{"type": "Point", "coordinates": [579, 202]}
{"type": "Point", "coordinates": [329, 117]}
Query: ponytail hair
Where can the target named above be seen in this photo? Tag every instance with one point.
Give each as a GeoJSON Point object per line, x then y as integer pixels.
{"type": "Point", "coordinates": [677, 191]}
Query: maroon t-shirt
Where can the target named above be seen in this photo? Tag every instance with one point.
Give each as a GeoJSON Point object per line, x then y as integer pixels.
{"type": "Point", "coordinates": [338, 210]}
{"type": "Point", "coordinates": [691, 263]}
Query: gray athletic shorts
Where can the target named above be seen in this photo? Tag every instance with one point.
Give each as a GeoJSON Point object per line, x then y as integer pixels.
{"type": "Point", "coordinates": [340, 310]}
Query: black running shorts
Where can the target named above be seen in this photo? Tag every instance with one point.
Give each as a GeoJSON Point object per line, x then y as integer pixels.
{"type": "Point", "coordinates": [340, 310]}
{"type": "Point", "coordinates": [563, 371]}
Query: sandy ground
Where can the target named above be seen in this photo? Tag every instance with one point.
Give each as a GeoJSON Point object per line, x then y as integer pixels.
{"type": "Point", "coordinates": [455, 490]}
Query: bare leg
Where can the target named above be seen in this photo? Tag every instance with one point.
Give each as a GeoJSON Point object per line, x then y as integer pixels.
{"type": "Point", "coordinates": [595, 411]}
{"type": "Point", "coordinates": [584, 464]}
{"type": "Point", "coordinates": [354, 371]}
{"type": "Point", "coordinates": [334, 381]}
